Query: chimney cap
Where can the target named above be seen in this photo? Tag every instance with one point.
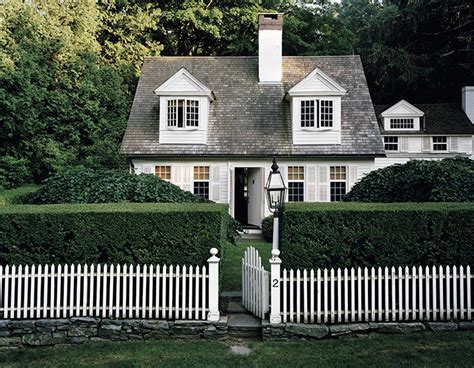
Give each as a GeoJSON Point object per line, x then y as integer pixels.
{"type": "Point", "coordinates": [272, 21]}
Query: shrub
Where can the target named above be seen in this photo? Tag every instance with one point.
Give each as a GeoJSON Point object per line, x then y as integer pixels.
{"type": "Point", "coordinates": [267, 228]}
{"type": "Point", "coordinates": [80, 185]}
{"type": "Point", "coordinates": [13, 172]}
{"type": "Point", "coordinates": [358, 234]}
{"type": "Point", "coordinates": [448, 180]}
{"type": "Point", "coordinates": [122, 233]}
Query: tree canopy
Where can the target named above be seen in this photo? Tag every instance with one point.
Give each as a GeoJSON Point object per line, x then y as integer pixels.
{"type": "Point", "coordinates": [68, 69]}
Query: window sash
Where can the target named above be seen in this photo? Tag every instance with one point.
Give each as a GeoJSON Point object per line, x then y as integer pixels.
{"type": "Point", "coordinates": [164, 172]}
{"type": "Point", "coordinates": [440, 143]}
{"type": "Point", "coordinates": [201, 173]}
{"type": "Point", "coordinates": [337, 183]}
{"type": "Point", "coordinates": [201, 188]}
{"type": "Point", "coordinates": [183, 113]}
{"type": "Point", "coordinates": [390, 143]}
{"type": "Point", "coordinates": [402, 123]}
{"type": "Point", "coordinates": [317, 113]}
{"type": "Point", "coordinates": [296, 191]}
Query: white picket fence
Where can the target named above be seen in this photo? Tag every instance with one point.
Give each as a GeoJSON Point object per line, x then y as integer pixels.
{"type": "Point", "coordinates": [376, 294]}
{"type": "Point", "coordinates": [118, 291]}
{"type": "Point", "coordinates": [255, 283]}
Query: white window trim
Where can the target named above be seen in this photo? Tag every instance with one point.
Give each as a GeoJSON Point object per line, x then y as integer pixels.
{"type": "Point", "coordinates": [398, 143]}
{"type": "Point", "coordinates": [185, 126]}
{"type": "Point", "coordinates": [318, 117]}
{"type": "Point", "coordinates": [433, 144]}
{"type": "Point", "coordinates": [338, 181]}
{"type": "Point", "coordinates": [296, 181]}
{"type": "Point", "coordinates": [201, 180]}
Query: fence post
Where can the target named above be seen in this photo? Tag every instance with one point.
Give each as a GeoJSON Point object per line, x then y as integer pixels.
{"type": "Point", "coordinates": [213, 294]}
{"type": "Point", "coordinates": [275, 264]}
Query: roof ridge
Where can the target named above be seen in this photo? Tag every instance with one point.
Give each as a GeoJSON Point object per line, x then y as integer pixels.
{"type": "Point", "coordinates": [245, 56]}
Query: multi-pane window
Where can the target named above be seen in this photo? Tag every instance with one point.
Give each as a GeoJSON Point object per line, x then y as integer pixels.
{"type": "Point", "coordinates": [183, 113]}
{"type": "Point", "coordinates": [338, 182]}
{"type": "Point", "coordinates": [295, 183]}
{"type": "Point", "coordinates": [440, 143]}
{"type": "Point", "coordinates": [390, 143]}
{"type": "Point", "coordinates": [307, 113]}
{"type": "Point", "coordinates": [201, 181]}
{"type": "Point", "coordinates": [164, 172]}
{"type": "Point", "coordinates": [317, 113]}
{"type": "Point", "coordinates": [402, 123]}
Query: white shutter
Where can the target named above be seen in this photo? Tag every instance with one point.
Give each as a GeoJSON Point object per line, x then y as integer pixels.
{"type": "Point", "coordinates": [147, 169]}
{"type": "Point", "coordinates": [404, 144]}
{"type": "Point", "coordinates": [177, 175]}
{"type": "Point", "coordinates": [426, 147]}
{"type": "Point", "coordinates": [187, 178]}
{"type": "Point", "coordinates": [353, 175]}
{"type": "Point", "coordinates": [231, 191]}
{"type": "Point", "coordinates": [323, 185]}
{"type": "Point", "coordinates": [310, 180]}
{"type": "Point", "coordinates": [454, 144]}
{"type": "Point", "coordinates": [215, 183]}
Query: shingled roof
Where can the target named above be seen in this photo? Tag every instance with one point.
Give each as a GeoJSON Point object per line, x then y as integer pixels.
{"type": "Point", "coordinates": [250, 119]}
{"type": "Point", "coordinates": [441, 118]}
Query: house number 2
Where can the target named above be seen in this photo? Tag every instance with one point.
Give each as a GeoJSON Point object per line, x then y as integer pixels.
{"type": "Point", "coordinates": [275, 282]}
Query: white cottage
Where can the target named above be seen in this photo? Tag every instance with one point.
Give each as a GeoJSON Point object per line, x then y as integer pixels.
{"type": "Point", "coordinates": [212, 125]}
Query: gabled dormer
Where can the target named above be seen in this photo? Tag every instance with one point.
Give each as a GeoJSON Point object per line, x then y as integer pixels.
{"type": "Point", "coordinates": [402, 116]}
{"type": "Point", "coordinates": [184, 109]}
{"type": "Point", "coordinates": [316, 109]}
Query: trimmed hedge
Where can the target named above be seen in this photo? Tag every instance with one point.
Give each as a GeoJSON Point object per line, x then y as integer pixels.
{"type": "Point", "coordinates": [361, 234]}
{"type": "Point", "coordinates": [267, 228]}
{"type": "Point", "coordinates": [118, 233]}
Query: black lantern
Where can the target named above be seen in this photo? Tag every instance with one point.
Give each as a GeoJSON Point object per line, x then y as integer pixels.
{"type": "Point", "coordinates": [275, 189]}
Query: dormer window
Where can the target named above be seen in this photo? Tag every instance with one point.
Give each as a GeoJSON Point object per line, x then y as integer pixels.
{"type": "Point", "coordinates": [317, 113]}
{"type": "Point", "coordinates": [402, 123]}
{"type": "Point", "coordinates": [183, 113]}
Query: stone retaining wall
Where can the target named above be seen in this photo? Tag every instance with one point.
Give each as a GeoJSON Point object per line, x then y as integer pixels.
{"type": "Point", "coordinates": [290, 331]}
{"type": "Point", "coordinates": [43, 332]}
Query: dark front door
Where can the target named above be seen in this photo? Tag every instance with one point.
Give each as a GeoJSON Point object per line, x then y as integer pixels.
{"type": "Point", "coordinates": [241, 203]}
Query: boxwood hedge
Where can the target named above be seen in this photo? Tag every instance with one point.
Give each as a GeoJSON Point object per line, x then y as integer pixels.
{"type": "Point", "coordinates": [123, 233]}
{"type": "Point", "coordinates": [362, 234]}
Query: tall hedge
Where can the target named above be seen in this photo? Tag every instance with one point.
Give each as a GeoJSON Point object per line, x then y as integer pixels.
{"type": "Point", "coordinates": [122, 233]}
{"type": "Point", "coordinates": [361, 234]}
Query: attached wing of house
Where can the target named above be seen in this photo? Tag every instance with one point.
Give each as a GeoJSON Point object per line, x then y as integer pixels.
{"type": "Point", "coordinates": [213, 124]}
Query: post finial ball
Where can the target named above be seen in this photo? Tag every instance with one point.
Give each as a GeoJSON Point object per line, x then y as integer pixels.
{"type": "Point", "coordinates": [214, 251]}
{"type": "Point", "coordinates": [275, 252]}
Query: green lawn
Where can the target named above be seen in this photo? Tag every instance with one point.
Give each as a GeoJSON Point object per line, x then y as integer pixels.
{"type": "Point", "coordinates": [452, 349]}
{"type": "Point", "coordinates": [232, 263]}
{"type": "Point", "coordinates": [7, 195]}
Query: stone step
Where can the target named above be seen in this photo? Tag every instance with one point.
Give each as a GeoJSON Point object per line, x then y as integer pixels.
{"type": "Point", "coordinates": [235, 308]}
{"type": "Point", "coordinates": [244, 325]}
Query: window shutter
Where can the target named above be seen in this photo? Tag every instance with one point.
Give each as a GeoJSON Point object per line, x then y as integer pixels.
{"type": "Point", "coordinates": [187, 178]}
{"type": "Point", "coordinates": [426, 146]}
{"type": "Point", "coordinates": [177, 175]}
{"type": "Point", "coordinates": [310, 180]}
{"type": "Point", "coordinates": [454, 146]}
{"type": "Point", "coordinates": [215, 183]}
{"type": "Point", "coordinates": [231, 191]}
{"type": "Point", "coordinates": [353, 175]}
{"type": "Point", "coordinates": [404, 144]}
{"type": "Point", "coordinates": [323, 184]}
{"type": "Point", "coordinates": [148, 169]}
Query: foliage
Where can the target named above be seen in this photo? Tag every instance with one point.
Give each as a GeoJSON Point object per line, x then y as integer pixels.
{"type": "Point", "coordinates": [358, 234]}
{"type": "Point", "coordinates": [118, 233]}
{"type": "Point", "coordinates": [81, 185]}
{"type": "Point", "coordinates": [13, 172]}
{"type": "Point", "coordinates": [16, 195]}
{"type": "Point", "coordinates": [267, 228]}
{"type": "Point", "coordinates": [448, 180]}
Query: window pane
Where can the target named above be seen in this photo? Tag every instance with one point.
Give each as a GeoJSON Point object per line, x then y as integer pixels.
{"type": "Point", "coordinates": [201, 188]}
{"type": "Point", "coordinates": [402, 124]}
{"type": "Point", "coordinates": [391, 143]}
{"type": "Point", "coordinates": [201, 172]}
{"type": "Point", "coordinates": [296, 191]}
{"type": "Point", "coordinates": [172, 113]}
{"type": "Point", "coordinates": [338, 190]}
{"type": "Point", "coordinates": [295, 173]}
{"type": "Point", "coordinates": [180, 113]}
{"type": "Point", "coordinates": [338, 173]}
{"type": "Point", "coordinates": [164, 172]}
{"type": "Point", "coordinates": [192, 113]}
{"type": "Point", "coordinates": [440, 143]}
{"type": "Point", "coordinates": [307, 113]}
{"type": "Point", "coordinates": [326, 114]}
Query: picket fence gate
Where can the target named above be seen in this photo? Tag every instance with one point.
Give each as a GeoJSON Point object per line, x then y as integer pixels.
{"type": "Point", "coordinates": [110, 291]}
{"type": "Point", "coordinates": [255, 283]}
{"type": "Point", "coordinates": [440, 293]}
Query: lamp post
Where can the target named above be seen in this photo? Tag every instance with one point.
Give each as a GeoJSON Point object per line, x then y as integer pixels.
{"type": "Point", "coordinates": [275, 189]}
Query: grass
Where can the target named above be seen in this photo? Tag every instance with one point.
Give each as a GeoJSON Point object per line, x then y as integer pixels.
{"type": "Point", "coordinates": [7, 195]}
{"type": "Point", "coordinates": [452, 349]}
{"type": "Point", "coordinates": [232, 263]}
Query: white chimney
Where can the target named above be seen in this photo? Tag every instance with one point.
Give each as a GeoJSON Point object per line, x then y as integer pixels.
{"type": "Point", "coordinates": [468, 102]}
{"type": "Point", "coordinates": [270, 47]}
